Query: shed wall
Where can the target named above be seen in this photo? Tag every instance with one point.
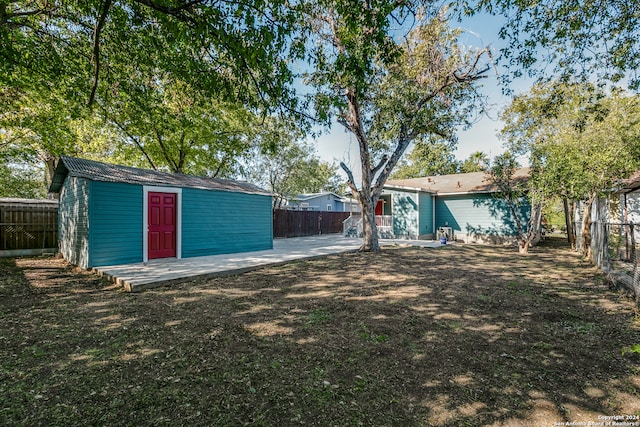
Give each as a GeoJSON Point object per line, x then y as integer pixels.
{"type": "Point", "coordinates": [116, 223]}
{"type": "Point", "coordinates": [218, 222]}
{"type": "Point", "coordinates": [73, 221]}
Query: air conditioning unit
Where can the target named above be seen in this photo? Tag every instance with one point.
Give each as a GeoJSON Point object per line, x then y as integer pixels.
{"type": "Point", "coordinates": [445, 232]}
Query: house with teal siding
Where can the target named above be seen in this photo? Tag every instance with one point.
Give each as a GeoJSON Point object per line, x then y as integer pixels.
{"type": "Point", "coordinates": [464, 207]}
{"type": "Point", "coordinates": [111, 214]}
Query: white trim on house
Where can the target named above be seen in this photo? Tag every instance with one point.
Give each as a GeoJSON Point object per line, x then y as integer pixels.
{"type": "Point", "coordinates": [417, 215]}
{"type": "Point", "coordinates": [464, 193]}
{"type": "Point", "coordinates": [433, 214]}
{"type": "Point", "coordinates": [406, 188]}
{"type": "Point", "coordinates": [146, 189]}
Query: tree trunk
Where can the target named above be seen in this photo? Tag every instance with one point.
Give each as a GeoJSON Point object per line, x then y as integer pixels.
{"type": "Point", "coordinates": [586, 228]}
{"type": "Point", "coordinates": [568, 222]}
{"type": "Point", "coordinates": [370, 241]}
{"type": "Point", "coordinates": [50, 167]}
{"type": "Point", "coordinates": [523, 247]}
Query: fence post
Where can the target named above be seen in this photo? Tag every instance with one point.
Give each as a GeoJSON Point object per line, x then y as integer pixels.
{"type": "Point", "coordinates": [636, 271]}
{"type": "Point", "coordinates": [632, 256]}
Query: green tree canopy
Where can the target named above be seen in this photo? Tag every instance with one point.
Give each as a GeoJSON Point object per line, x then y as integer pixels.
{"type": "Point", "coordinates": [428, 159]}
{"type": "Point", "coordinates": [237, 50]}
{"type": "Point", "coordinates": [171, 126]}
{"type": "Point", "coordinates": [571, 38]}
{"type": "Point", "coordinates": [176, 85]}
{"type": "Point", "coordinates": [477, 161]}
{"type": "Point", "coordinates": [581, 140]}
{"type": "Point", "coordinates": [292, 170]}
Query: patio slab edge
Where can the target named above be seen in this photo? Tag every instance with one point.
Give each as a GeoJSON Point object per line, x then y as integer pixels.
{"type": "Point", "coordinates": [129, 285]}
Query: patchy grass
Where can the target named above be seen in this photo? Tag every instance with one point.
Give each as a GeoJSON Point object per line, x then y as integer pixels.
{"type": "Point", "coordinates": [455, 336]}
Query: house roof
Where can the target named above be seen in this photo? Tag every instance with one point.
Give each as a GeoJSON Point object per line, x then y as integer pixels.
{"type": "Point", "coordinates": [461, 183]}
{"type": "Point", "coordinates": [98, 171]}
{"type": "Point", "coordinates": [632, 183]}
{"type": "Point", "coordinates": [303, 197]}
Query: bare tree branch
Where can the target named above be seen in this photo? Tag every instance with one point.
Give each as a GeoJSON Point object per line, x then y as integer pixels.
{"type": "Point", "coordinates": [96, 49]}
{"type": "Point", "coordinates": [350, 181]}
{"type": "Point", "coordinates": [382, 162]}
{"type": "Point", "coordinates": [137, 142]}
{"type": "Point", "coordinates": [163, 148]}
{"type": "Point", "coordinates": [453, 78]}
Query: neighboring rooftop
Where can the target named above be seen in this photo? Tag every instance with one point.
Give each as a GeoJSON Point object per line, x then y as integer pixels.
{"type": "Point", "coordinates": [98, 171]}
{"type": "Point", "coordinates": [12, 200]}
{"type": "Point", "coordinates": [461, 183]}
{"type": "Point", "coordinates": [632, 183]}
{"type": "Point", "coordinates": [309, 196]}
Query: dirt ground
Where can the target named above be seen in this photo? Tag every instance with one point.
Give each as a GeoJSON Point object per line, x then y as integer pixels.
{"type": "Point", "coordinates": [461, 335]}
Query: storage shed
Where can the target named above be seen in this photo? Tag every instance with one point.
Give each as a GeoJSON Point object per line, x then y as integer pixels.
{"type": "Point", "coordinates": [111, 214]}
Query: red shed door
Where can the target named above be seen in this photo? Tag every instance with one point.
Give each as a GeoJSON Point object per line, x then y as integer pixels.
{"type": "Point", "coordinates": [162, 225]}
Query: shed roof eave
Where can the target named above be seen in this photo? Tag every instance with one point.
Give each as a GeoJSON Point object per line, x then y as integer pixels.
{"type": "Point", "coordinates": [105, 172]}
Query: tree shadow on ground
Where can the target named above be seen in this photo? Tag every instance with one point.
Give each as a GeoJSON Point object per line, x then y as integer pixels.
{"type": "Point", "coordinates": [461, 335]}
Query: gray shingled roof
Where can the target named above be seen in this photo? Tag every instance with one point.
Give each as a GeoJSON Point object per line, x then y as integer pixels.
{"type": "Point", "coordinates": [461, 183]}
{"type": "Point", "coordinates": [98, 171]}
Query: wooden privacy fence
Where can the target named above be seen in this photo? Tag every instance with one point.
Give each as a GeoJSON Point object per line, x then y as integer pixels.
{"type": "Point", "coordinates": [306, 223]}
{"type": "Point", "coordinates": [28, 227]}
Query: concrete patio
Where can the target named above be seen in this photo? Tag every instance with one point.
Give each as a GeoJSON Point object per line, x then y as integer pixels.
{"type": "Point", "coordinates": [140, 276]}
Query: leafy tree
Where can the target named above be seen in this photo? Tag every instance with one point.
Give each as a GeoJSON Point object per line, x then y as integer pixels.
{"type": "Point", "coordinates": [35, 128]}
{"type": "Point", "coordinates": [437, 158]}
{"type": "Point", "coordinates": [292, 169]}
{"type": "Point", "coordinates": [502, 174]}
{"type": "Point", "coordinates": [389, 91]}
{"type": "Point", "coordinates": [129, 61]}
{"type": "Point", "coordinates": [171, 126]}
{"type": "Point", "coordinates": [428, 159]}
{"type": "Point", "coordinates": [21, 182]}
{"type": "Point", "coordinates": [580, 139]}
{"type": "Point", "coordinates": [577, 37]}
{"type": "Point", "coordinates": [89, 47]}
{"type": "Point", "coordinates": [477, 161]}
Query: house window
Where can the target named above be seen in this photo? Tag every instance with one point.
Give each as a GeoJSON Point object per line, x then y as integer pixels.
{"type": "Point", "coordinates": [329, 207]}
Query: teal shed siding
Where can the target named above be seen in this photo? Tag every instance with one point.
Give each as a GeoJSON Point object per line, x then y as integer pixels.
{"type": "Point", "coordinates": [477, 214]}
{"type": "Point", "coordinates": [101, 223]}
{"type": "Point", "coordinates": [217, 222]}
{"type": "Point", "coordinates": [73, 221]}
{"type": "Point", "coordinates": [116, 223]}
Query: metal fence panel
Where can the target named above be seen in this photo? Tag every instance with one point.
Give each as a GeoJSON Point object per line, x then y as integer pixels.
{"type": "Point", "coordinates": [615, 249]}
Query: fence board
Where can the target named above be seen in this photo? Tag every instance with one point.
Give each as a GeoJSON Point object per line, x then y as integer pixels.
{"type": "Point", "coordinates": [288, 223]}
{"type": "Point", "coordinates": [28, 227]}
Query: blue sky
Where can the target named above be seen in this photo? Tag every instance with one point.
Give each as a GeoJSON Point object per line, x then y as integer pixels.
{"type": "Point", "coordinates": [480, 31]}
